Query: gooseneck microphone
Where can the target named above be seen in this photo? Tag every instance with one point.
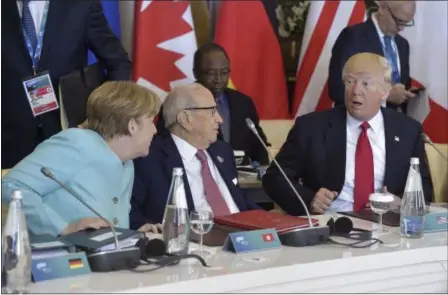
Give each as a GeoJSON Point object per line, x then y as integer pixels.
{"type": "Point", "coordinates": [103, 261]}
{"type": "Point", "coordinates": [429, 141]}
{"type": "Point", "coordinates": [313, 235]}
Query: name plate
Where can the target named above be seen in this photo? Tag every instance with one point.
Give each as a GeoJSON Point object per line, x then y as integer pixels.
{"type": "Point", "coordinates": [250, 241]}
{"type": "Point", "coordinates": [436, 222]}
{"type": "Point", "coordinates": [49, 267]}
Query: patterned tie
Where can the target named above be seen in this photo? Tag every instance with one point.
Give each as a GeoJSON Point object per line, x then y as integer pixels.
{"type": "Point", "coordinates": [211, 190]}
{"type": "Point", "coordinates": [364, 185]}
{"type": "Point", "coordinates": [392, 58]}
{"type": "Point", "coordinates": [28, 24]}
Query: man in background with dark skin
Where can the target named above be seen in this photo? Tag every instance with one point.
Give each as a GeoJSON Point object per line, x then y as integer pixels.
{"type": "Point", "coordinates": [212, 69]}
{"type": "Point", "coordinates": [380, 35]}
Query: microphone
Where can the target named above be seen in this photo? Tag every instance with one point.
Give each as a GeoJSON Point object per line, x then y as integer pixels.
{"type": "Point", "coordinates": [103, 261]}
{"type": "Point", "coordinates": [304, 236]}
{"type": "Point", "coordinates": [429, 141]}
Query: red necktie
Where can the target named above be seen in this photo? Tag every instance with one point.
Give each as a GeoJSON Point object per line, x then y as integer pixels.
{"type": "Point", "coordinates": [211, 189]}
{"type": "Point", "coordinates": [364, 185]}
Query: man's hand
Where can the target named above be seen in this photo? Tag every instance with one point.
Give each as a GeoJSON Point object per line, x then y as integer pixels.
{"type": "Point", "coordinates": [399, 94]}
{"type": "Point", "coordinates": [88, 222]}
{"type": "Point", "coordinates": [322, 200]}
{"type": "Point", "coordinates": [153, 228]}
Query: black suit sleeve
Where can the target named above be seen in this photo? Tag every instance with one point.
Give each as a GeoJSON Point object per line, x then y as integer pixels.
{"type": "Point", "coordinates": [406, 79]}
{"type": "Point", "coordinates": [339, 56]}
{"type": "Point", "coordinates": [256, 150]}
{"type": "Point", "coordinates": [106, 46]}
{"type": "Point", "coordinates": [292, 158]}
{"type": "Point", "coordinates": [419, 152]}
{"type": "Point", "coordinates": [137, 216]}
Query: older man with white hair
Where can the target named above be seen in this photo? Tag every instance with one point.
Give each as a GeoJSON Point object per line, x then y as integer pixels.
{"type": "Point", "coordinates": [344, 154]}
{"type": "Point", "coordinates": [210, 174]}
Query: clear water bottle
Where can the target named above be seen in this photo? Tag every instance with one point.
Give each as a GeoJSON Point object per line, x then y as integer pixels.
{"type": "Point", "coordinates": [412, 211]}
{"type": "Point", "coordinates": [176, 221]}
{"type": "Point", "coordinates": [16, 249]}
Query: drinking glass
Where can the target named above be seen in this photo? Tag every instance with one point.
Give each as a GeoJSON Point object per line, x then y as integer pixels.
{"type": "Point", "coordinates": [201, 223]}
{"type": "Point", "coordinates": [380, 203]}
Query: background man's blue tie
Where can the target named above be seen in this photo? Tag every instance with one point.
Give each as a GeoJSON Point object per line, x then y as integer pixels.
{"type": "Point", "coordinates": [28, 24]}
{"type": "Point", "coordinates": [392, 58]}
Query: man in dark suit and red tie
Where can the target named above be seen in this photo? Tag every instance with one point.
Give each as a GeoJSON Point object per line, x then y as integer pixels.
{"type": "Point", "coordinates": [210, 176]}
{"type": "Point", "coordinates": [338, 157]}
{"type": "Point", "coordinates": [379, 35]}
{"type": "Point", "coordinates": [44, 40]}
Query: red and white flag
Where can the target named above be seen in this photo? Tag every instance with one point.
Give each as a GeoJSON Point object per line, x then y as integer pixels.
{"type": "Point", "coordinates": [428, 63]}
{"type": "Point", "coordinates": [164, 45]}
{"type": "Point", "coordinates": [325, 21]}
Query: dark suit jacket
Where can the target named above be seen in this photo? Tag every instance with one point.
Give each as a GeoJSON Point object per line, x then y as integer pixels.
{"type": "Point", "coordinates": [357, 39]}
{"type": "Point", "coordinates": [315, 152]}
{"type": "Point", "coordinates": [153, 175]}
{"type": "Point", "coordinates": [241, 107]}
{"type": "Point", "coordinates": [73, 27]}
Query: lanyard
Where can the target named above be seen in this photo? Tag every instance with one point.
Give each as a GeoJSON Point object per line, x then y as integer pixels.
{"type": "Point", "coordinates": [35, 53]}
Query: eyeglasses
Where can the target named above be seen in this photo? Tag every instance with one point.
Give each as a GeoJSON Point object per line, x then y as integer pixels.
{"type": "Point", "coordinates": [400, 22]}
{"type": "Point", "coordinates": [212, 108]}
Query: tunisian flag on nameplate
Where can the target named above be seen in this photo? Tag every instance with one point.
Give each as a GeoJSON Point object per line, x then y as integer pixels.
{"type": "Point", "coordinates": [245, 31]}
{"type": "Point", "coordinates": [325, 21]}
{"type": "Point", "coordinates": [428, 63]}
{"type": "Point", "coordinates": [164, 45]}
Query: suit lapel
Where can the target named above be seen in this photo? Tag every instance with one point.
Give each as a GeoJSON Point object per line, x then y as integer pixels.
{"type": "Point", "coordinates": [392, 141]}
{"type": "Point", "coordinates": [220, 162]}
{"type": "Point", "coordinates": [335, 146]}
{"type": "Point", "coordinates": [51, 27]}
{"type": "Point", "coordinates": [173, 160]}
{"type": "Point", "coordinates": [373, 39]}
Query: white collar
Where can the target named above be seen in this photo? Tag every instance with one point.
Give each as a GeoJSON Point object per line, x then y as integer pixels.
{"type": "Point", "coordinates": [186, 150]}
{"type": "Point", "coordinates": [376, 123]}
{"type": "Point", "coordinates": [378, 29]}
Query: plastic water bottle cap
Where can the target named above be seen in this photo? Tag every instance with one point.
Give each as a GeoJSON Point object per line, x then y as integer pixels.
{"type": "Point", "coordinates": [16, 195]}
{"type": "Point", "coordinates": [415, 161]}
{"type": "Point", "coordinates": [178, 171]}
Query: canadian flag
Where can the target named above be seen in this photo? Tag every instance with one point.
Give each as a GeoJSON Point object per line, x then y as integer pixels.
{"type": "Point", "coordinates": [428, 63]}
{"type": "Point", "coordinates": [164, 45]}
{"type": "Point", "coordinates": [325, 21]}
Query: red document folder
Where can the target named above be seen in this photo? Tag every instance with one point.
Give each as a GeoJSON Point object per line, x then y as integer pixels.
{"type": "Point", "coordinates": [260, 219]}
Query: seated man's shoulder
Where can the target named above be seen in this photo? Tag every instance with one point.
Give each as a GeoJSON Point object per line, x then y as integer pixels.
{"type": "Point", "coordinates": [241, 96]}
{"type": "Point", "coordinates": [403, 119]}
{"type": "Point", "coordinates": [320, 117]}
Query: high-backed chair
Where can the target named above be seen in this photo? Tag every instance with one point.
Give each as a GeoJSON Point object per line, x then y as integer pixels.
{"type": "Point", "coordinates": [4, 206]}
{"type": "Point", "coordinates": [438, 169]}
{"type": "Point", "coordinates": [276, 132]}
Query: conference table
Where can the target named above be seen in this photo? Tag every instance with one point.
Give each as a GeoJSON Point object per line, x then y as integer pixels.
{"type": "Point", "coordinates": [399, 265]}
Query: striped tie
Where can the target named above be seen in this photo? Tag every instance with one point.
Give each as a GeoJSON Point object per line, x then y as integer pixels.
{"type": "Point", "coordinates": [28, 24]}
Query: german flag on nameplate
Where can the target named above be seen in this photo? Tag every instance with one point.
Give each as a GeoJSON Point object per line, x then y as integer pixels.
{"type": "Point", "coordinates": [75, 263]}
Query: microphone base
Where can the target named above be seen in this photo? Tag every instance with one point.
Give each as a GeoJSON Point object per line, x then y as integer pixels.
{"type": "Point", "coordinates": [305, 236]}
{"type": "Point", "coordinates": [122, 259]}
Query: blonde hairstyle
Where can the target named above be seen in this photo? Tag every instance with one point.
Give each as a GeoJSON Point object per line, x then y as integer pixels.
{"type": "Point", "coordinates": [368, 62]}
{"type": "Point", "coordinates": [111, 106]}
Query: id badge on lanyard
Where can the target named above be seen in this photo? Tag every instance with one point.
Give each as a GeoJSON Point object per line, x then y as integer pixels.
{"type": "Point", "coordinates": [38, 88]}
